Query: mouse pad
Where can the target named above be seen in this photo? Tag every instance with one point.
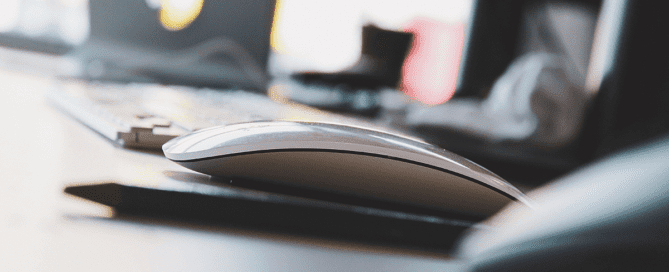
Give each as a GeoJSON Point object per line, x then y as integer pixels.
{"type": "Point", "coordinates": [218, 203]}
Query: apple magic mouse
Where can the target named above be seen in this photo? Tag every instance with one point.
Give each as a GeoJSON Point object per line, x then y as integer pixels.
{"type": "Point", "coordinates": [345, 160]}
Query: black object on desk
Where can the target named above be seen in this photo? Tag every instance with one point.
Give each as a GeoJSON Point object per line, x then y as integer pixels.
{"type": "Point", "coordinates": [223, 204]}
{"type": "Point", "coordinates": [356, 89]}
{"type": "Point", "coordinates": [38, 45]}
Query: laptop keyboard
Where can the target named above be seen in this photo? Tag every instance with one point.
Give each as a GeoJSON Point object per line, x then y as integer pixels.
{"type": "Point", "coordinates": [148, 115]}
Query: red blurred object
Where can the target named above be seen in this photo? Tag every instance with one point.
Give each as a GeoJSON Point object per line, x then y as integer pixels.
{"type": "Point", "coordinates": [430, 71]}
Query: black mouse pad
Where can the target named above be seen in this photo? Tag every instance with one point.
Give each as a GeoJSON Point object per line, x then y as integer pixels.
{"type": "Point", "coordinates": [224, 204]}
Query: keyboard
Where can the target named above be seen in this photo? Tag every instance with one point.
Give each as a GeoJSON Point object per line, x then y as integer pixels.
{"type": "Point", "coordinates": [143, 115]}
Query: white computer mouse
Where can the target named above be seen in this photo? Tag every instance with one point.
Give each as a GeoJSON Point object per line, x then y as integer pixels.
{"type": "Point", "coordinates": [345, 160]}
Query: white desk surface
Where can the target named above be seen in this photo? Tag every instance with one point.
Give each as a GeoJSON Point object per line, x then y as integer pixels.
{"type": "Point", "coordinates": [43, 229]}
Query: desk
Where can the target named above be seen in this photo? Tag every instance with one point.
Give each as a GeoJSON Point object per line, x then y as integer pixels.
{"type": "Point", "coordinates": [41, 228]}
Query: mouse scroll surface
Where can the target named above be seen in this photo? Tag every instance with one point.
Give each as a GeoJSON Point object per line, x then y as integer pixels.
{"type": "Point", "coordinates": [345, 160]}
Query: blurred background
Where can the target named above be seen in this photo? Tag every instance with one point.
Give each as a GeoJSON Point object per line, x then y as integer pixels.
{"type": "Point", "coordinates": [326, 35]}
{"type": "Point", "coordinates": [306, 35]}
{"type": "Point", "coordinates": [51, 26]}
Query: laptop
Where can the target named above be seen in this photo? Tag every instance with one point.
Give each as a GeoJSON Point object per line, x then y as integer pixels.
{"type": "Point", "coordinates": [146, 82]}
{"type": "Point", "coordinates": [225, 45]}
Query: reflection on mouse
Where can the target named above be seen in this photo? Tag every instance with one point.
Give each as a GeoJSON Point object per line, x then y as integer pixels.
{"type": "Point", "coordinates": [345, 160]}
{"type": "Point", "coordinates": [612, 215]}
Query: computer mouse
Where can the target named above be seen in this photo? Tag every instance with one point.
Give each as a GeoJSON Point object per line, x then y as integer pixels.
{"type": "Point", "coordinates": [347, 160]}
{"type": "Point", "coordinates": [611, 215]}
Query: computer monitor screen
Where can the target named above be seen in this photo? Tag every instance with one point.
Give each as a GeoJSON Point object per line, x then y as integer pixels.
{"type": "Point", "coordinates": [147, 23]}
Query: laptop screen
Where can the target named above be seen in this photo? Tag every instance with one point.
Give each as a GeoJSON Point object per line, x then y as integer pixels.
{"type": "Point", "coordinates": [196, 42]}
